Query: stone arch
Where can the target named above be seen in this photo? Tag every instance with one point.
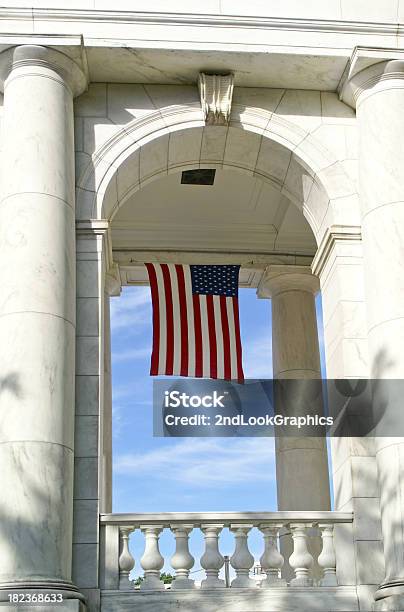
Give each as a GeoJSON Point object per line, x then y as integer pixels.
{"type": "Point", "coordinates": [256, 141]}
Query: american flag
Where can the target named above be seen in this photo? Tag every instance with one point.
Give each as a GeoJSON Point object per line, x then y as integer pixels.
{"type": "Point", "coordinates": [196, 328]}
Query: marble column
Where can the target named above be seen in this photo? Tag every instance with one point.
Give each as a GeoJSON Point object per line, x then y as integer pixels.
{"type": "Point", "coordinates": [301, 462]}
{"type": "Point", "coordinates": [379, 95]}
{"type": "Point", "coordinates": [37, 318]}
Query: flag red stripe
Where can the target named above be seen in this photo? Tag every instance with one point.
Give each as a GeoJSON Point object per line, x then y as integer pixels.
{"type": "Point", "coordinates": [198, 337]}
{"type": "Point", "coordinates": [212, 336]}
{"type": "Point", "coordinates": [154, 365]}
{"type": "Point", "coordinates": [240, 374]}
{"type": "Point", "coordinates": [226, 338]}
{"type": "Point", "coordinates": [183, 319]}
{"type": "Point", "coordinates": [170, 319]}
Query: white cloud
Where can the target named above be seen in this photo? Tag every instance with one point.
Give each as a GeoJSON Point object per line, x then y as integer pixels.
{"type": "Point", "coordinates": [131, 310]}
{"type": "Point", "coordinates": [205, 461]}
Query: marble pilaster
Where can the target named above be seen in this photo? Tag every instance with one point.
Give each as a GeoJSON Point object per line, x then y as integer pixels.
{"type": "Point", "coordinates": [339, 265]}
{"type": "Point", "coordinates": [93, 434]}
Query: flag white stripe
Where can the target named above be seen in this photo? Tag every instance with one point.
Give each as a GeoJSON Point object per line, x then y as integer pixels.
{"type": "Point", "coordinates": [205, 336]}
{"type": "Point", "coordinates": [163, 319]}
{"type": "Point", "coordinates": [232, 334]}
{"type": "Point", "coordinates": [177, 320]}
{"type": "Point", "coordinates": [190, 319]}
{"type": "Point", "coordinates": [219, 336]}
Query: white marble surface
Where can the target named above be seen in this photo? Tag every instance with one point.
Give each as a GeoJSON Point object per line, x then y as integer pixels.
{"type": "Point", "coordinates": [36, 538]}
{"type": "Point", "coordinates": [301, 465]}
{"type": "Point", "coordinates": [273, 159]}
{"type": "Point", "coordinates": [184, 147]}
{"type": "Point", "coordinates": [251, 149]}
{"type": "Point", "coordinates": [91, 424]}
{"type": "Point", "coordinates": [37, 384]}
{"type": "Point", "coordinates": [45, 281]}
{"type": "Point", "coordinates": [85, 563]}
{"type": "Point", "coordinates": [85, 528]}
{"type": "Point", "coordinates": [22, 153]}
{"type": "Point", "coordinates": [381, 177]}
{"type": "Point", "coordinates": [153, 158]}
{"type": "Point", "coordinates": [86, 436]}
{"type": "Point", "coordinates": [37, 326]}
{"type": "Point", "coordinates": [87, 395]}
{"type": "Point", "coordinates": [237, 600]}
{"type": "Point", "coordinates": [344, 305]}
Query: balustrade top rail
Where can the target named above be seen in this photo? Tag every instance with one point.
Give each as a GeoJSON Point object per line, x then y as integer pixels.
{"type": "Point", "coordinates": [226, 518]}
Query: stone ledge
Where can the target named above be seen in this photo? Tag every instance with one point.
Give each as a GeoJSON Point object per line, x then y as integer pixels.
{"type": "Point", "coordinates": [321, 599]}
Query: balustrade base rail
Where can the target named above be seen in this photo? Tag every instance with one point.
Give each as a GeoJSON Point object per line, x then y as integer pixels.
{"type": "Point", "coordinates": [321, 599]}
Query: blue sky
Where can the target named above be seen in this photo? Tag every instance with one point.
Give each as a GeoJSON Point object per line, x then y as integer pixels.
{"type": "Point", "coordinates": [187, 474]}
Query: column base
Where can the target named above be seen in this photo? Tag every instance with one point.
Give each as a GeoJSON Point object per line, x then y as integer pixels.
{"type": "Point", "coordinates": [390, 597]}
{"type": "Point", "coordinates": [41, 595]}
{"type": "Point", "coordinates": [69, 605]}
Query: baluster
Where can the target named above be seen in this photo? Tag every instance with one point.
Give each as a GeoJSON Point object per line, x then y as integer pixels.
{"type": "Point", "coordinates": [182, 560]}
{"type": "Point", "coordinates": [301, 561]}
{"type": "Point", "coordinates": [242, 560]}
{"type": "Point", "coordinates": [327, 559]}
{"type": "Point", "coordinates": [212, 561]}
{"type": "Point", "coordinates": [152, 561]}
{"type": "Point", "coordinates": [271, 561]}
{"type": "Point", "coordinates": [126, 561]}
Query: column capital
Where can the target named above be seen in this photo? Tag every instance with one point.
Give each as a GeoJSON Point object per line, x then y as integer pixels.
{"type": "Point", "coordinates": [43, 58]}
{"type": "Point", "coordinates": [370, 71]}
{"type": "Point", "coordinates": [279, 278]}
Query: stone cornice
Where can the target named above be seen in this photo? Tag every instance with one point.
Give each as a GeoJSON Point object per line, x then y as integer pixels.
{"type": "Point", "coordinates": [334, 234]}
{"type": "Point", "coordinates": [161, 18]}
{"type": "Point", "coordinates": [153, 33]}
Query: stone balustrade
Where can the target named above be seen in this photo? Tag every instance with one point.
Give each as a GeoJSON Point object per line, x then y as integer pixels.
{"type": "Point", "coordinates": [117, 561]}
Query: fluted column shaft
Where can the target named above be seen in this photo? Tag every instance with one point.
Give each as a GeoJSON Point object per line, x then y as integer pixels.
{"type": "Point", "coordinates": [37, 316]}
{"type": "Point", "coordinates": [379, 93]}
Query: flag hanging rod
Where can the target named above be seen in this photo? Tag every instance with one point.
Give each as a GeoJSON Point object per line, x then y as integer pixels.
{"type": "Point", "coordinates": [129, 257]}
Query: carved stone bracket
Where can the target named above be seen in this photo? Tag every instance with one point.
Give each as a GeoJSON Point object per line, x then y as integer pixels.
{"type": "Point", "coordinates": [216, 93]}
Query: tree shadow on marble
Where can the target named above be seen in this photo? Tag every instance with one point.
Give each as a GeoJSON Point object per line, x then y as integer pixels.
{"type": "Point", "coordinates": [11, 384]}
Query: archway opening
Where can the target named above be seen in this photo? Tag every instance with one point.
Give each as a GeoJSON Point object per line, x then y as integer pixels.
{"type": "Point", "coordinates": [236, 218]}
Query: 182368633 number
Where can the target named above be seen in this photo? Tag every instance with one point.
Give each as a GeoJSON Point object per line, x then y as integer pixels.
{"type": "Point", "coordinates": [30, 598]}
